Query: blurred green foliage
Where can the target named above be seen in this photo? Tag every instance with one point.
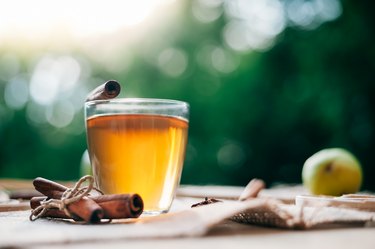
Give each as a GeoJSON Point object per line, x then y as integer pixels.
{"type": "Point", "coordinates": [260, 114]}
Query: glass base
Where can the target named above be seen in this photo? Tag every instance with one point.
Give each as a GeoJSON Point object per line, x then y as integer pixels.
{"type": "Point", "coordinates": [148, 213]}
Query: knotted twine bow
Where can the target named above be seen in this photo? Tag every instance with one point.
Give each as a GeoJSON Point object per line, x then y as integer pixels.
{"type": "Point", "coordinates": [69, 196]}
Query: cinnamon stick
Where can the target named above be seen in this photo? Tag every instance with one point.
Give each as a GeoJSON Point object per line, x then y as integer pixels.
{"type": "Point", "coordinates": [84, 209]}
{"type": "Point", "coordinates": [117, 206]}
{"type": "Point", "coordinates": [252, 189]}
{"type": "Point", "coordinates": [108, 90]}
{"type": "Point", "coordinates": [114, 206]}
{"type": "Point", "coordinates": [49, 188]}
{"type": "Point", "coordinates": [23, 194]}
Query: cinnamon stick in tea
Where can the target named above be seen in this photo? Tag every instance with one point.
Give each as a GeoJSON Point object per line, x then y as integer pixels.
{"type": "Point", "coordinates": [83, 209]}
{"type": "Point", "coordinates": [108, 90]}
{"type": "Point", "coordinates": [116, 206]}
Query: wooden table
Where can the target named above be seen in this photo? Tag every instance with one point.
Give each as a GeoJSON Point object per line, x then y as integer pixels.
{"type": "Point", "coordinates": [231, 235]}
{"type": "Point", "coordinates": [15, 226]}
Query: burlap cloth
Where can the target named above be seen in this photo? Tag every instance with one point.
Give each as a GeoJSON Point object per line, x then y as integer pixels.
{"type": "Point", "coordinates": [276, 214]}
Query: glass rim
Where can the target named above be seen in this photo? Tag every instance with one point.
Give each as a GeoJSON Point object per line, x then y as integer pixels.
{"type": "Point", "coordinates": [137, 101]}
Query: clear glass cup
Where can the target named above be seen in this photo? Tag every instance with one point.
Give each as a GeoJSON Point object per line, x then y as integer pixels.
{"type": "Point", "coordinates": [138, 146]}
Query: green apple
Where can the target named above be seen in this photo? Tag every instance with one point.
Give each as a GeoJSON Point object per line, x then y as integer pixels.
{"type": "Point", "coordinates": [332, 171]}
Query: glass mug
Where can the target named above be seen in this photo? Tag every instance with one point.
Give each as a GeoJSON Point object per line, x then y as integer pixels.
{"type": "Point", "coordinates": [138, 146]}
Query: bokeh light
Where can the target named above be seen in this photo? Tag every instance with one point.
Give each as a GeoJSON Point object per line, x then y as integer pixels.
{"type": "Point", "coordinates": [173, 62]}
{"type": "Point", "coordinates": [16, 92]}
{"type": "Point", "coordinates": [254, 25]}
{"type": "Point", "coordinates": [207, 11]}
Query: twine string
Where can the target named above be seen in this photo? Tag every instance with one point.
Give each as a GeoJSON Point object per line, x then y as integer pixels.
{"type": "Point", "coordinates": [70, 196]}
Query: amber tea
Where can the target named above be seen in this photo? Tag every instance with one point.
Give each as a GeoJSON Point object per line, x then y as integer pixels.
{"type": "Point", "coordinates": [138, 153]}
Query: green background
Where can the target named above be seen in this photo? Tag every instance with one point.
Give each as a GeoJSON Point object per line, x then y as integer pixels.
{"type": "Point", "coordinates": [260, 113]}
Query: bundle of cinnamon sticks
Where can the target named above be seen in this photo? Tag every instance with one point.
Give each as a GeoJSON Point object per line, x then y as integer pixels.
{"type": "Point", "coordinates": [90, 209]}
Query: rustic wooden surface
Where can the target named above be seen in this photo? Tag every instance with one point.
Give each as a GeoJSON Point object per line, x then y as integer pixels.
{"type": "Point", "coordinates": [17, 231]}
